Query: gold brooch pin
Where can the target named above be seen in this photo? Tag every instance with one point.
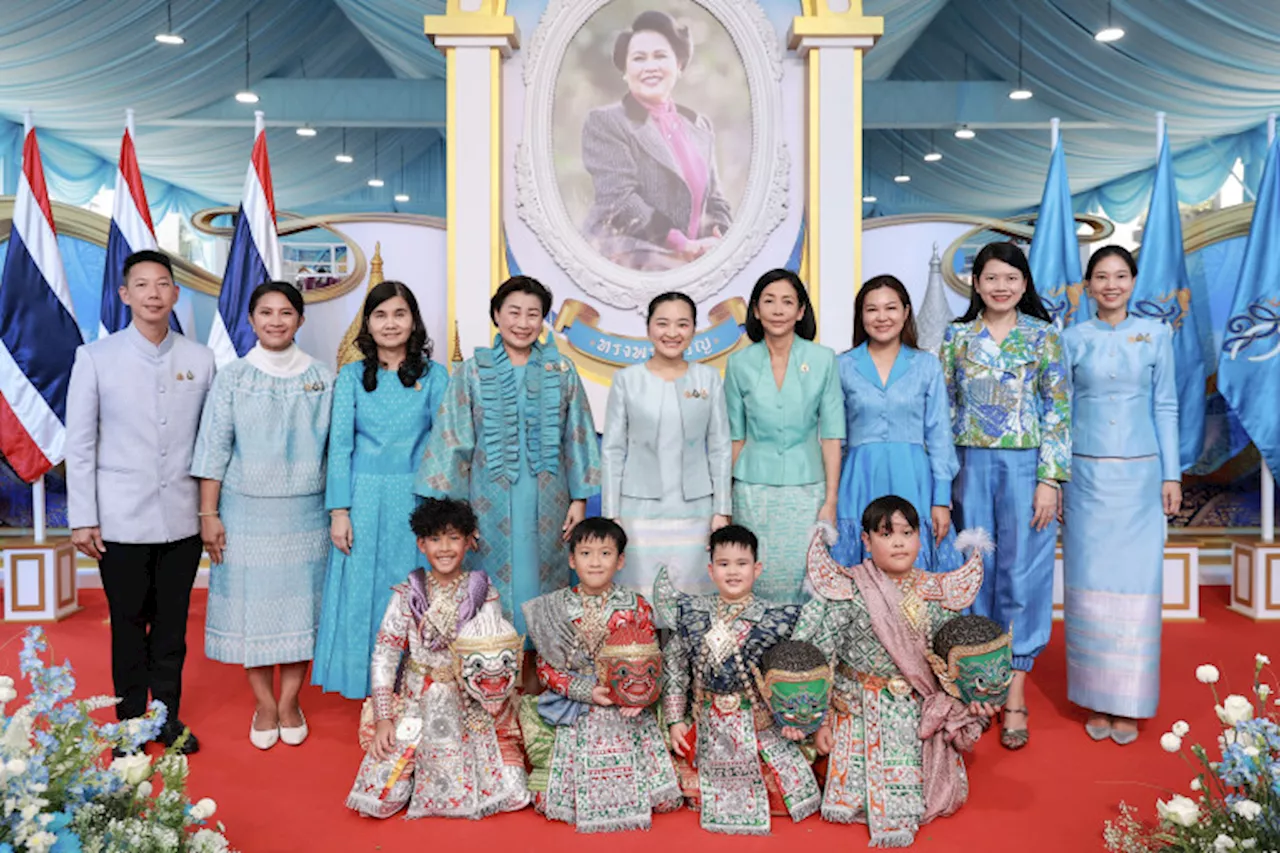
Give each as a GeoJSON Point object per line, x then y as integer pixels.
{"type": "Point", "coordinates": [804, 368]}
{"type": "Point", "coordinates": [548, 367]}
{"type": "Point", "coordinates": [191, 375]}
{"type": "Point", "coordinates": [1145, 337]}
{"type": "Point", "coordinates": [417, 386]}
{"type": "Point", "coordinates": [180, 377]}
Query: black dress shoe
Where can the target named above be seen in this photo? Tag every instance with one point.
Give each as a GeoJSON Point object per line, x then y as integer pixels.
{"type": "Point", "coordinates": [172, 731]}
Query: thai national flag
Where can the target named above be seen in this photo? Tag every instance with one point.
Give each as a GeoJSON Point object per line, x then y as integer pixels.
{"type": "Point", "coordinates": [38, 331]}
{"type": "Point", "coordinates": [131, 231]}
{"type": "Point", "coordinates": [254, 257]}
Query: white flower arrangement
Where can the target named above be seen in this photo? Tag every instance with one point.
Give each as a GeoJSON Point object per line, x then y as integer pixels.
{"type": "Point", "coordinates": [61, 794]}
{"type": "Point", "coordinates": [1236, 803]}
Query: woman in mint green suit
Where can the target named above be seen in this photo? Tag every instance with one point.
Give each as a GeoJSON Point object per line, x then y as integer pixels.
{"type": "Point", "coordinates": [786, 420]}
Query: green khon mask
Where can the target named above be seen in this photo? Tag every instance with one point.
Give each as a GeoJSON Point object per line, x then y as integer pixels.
{"type": "Point", "coordinates": [973, 659]}
{"type": "Point", "coordinates": [797, 685]}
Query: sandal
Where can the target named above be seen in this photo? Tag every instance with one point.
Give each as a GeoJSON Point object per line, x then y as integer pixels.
{"type": "Point", "coordinates": [1014, 739]}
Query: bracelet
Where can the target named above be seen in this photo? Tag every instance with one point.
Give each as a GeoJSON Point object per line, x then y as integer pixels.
{"type": "Point", "coordinates": [206, 514]}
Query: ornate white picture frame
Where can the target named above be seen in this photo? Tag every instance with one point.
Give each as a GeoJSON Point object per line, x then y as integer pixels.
{"type": "Point", "coordinates": [765, 201]}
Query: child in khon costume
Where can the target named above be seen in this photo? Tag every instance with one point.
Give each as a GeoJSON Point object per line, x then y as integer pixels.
{"type": "Point", "coordinates": [609, 767]}
{"type": "Point", "coordinates": [446, 741]}
{"type": "Point", "coordinates": [893, 735]}
{"type": "Point", "coordinates": [718, 720]}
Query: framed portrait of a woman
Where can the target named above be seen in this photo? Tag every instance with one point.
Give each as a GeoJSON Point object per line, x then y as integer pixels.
{"type": "Point", "coordinates": [651, 157]}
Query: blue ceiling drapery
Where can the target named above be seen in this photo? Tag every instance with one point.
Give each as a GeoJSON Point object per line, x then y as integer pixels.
{"type": "Point", "coordinates": [1212, 65]}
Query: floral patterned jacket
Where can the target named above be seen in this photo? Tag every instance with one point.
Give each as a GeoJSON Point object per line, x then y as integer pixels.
{"type": "Point", "coordinates": [1014, 394]}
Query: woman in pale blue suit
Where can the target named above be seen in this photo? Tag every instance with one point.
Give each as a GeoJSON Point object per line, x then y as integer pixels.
{"type": "Point", "coordinates": [1125, 477]}
{"type": "Point", "coordinates": [260, 456]}
{"type": "Point", "coordinates": [666, 456]}
{"type": "Point", "coordinates": [786, 419]}
{"type": "Point", "coordinates": [383, 408]}
{"type": "Point", "coordinates": [897, 426]}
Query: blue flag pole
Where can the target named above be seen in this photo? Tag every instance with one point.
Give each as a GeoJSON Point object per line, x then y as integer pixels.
{"type": "Point", "coordinates": [1268, 502]}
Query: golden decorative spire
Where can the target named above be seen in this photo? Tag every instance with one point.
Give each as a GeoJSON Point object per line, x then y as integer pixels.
{"type": "Point", "coordinates": [455, 353]}
{"type": "Point", "coordinates": [347, 350]}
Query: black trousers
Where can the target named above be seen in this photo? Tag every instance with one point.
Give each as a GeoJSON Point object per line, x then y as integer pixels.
{"type": "Point", "coordinates": [148, 591]}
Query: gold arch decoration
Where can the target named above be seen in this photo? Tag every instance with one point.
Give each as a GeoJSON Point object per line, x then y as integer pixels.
{"type": "Point", "coordinates": [81, 224]}
{"type": "Point", "coordinates": [347, 349]}
{"type": "Point", "coordinates": [1019, 227]}
{"type": "Point", "coordinates": [290, 223]}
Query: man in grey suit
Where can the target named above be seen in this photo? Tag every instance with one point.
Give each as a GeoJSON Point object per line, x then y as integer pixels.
{"type": "Point", "coordinates": [133, 409]}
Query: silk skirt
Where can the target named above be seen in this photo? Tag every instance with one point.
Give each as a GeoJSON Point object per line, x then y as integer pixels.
{"type": "Point", "coordinates": [1113, 551]}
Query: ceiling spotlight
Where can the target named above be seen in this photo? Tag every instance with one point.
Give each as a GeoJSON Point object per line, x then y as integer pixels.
{"type": "Point", "coordinates": [1110, 32]}
{"type": "Point", "coordinates": [246, 95]}
{"type": "Point", "coordinates": [965, 132]}
{"type": "Point", "coordinates": [342, 156]}
{"type": "Point", "coordinates": [1021, 93]}
{"type": "Point", "coordinates": [934, 155]}
{"type": "Point", "coordinates": [306, 130]}
{"type": "Point", "coordinates": [169, 36]}
{"type": "Point", "coordinates": [902, 177]}
{"type": "Point", "coordinates": [869, 199]}
{"type": "Point", "coordinates": [401, 196]}
{"type": "Point", "coordinates": [377, 182]}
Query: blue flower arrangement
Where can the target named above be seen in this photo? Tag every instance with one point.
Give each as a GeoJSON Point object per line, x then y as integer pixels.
{"type": "Point", "coordinates": [60, 795]}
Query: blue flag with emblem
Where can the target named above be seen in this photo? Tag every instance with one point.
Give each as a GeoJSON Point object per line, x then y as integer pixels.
{"type": "Point", "coordinates": [1055, 251]}
{"type": "Point", "coordinates": [1163, 292]}
{"type": "Point", "coordinates": [1249, 366]}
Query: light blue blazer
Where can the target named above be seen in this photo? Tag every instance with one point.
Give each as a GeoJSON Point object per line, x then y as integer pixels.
{"type": "Point", "coordinates": [629, 448]}
{"type": "Point", "coordinates": [1125, 403]}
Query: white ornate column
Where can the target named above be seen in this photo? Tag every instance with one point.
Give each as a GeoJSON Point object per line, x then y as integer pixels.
{"type": "Point", "coordinates": [831, 35]}
{"type": "Point", "coordinates": [475, 36]}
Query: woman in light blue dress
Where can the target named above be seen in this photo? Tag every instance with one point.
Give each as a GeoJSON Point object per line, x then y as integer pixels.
{"type": "Point", "coordinates": [514, 436]}
{"type": "Point", "coordinates": [1125, 478]}
{"type": "Point", "coordinates": [383, 407]}
{"type": "Point", "coordinates": [666, 456]}
{"type": "Point", "coordinates": [786, 419]}
{"type": "Point", "coordinates": [897, 426]}
{"type": "Point", "coordinates": [260, 456]}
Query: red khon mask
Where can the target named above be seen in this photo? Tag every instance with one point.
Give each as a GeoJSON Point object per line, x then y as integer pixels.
{"type": "Point", "coordinates": [630, 665]}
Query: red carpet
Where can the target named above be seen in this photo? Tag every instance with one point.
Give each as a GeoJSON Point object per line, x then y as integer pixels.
{"type": "Point", "coordinates": [1053, 795]}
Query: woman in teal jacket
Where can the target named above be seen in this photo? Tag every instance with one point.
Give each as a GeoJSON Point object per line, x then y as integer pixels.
{"type": "Point", "coordinates": [786, 419]}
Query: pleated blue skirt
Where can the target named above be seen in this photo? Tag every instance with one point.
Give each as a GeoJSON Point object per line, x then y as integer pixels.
{"type": "Point", "coordinates": [1113, 551]}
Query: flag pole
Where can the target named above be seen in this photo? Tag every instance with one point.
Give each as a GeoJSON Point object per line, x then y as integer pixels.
{"type": "Point", "coordinates": [259, 122]}
{"type": "Point", "coordinates": [1053, 133]}
{"type": "Point", "coordinates": [1268, 502]}
{"type": "Point", "coordinates": [37, 488]}
{"type": "Point", "coordinates": [128, 121]}
{"type": "Point", "coordinates": [1159, 142]}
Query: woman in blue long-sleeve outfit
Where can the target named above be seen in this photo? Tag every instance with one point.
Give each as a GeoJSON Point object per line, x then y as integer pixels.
{"type": "Point", "coordinates": [898, 426]}
{"type": "Point", "coordinates": [383, 409]}
{"type": "Point", "coordinates": [1125, 478]}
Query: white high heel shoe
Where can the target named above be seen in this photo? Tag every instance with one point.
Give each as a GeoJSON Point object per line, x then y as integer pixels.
{"type": "Point", "coordinates": [295, 735]}
{"type": "Point", "coordinates": [262, 739]}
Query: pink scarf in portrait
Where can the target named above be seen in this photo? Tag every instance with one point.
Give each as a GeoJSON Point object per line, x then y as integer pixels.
{"type": "Point", "coordinates": [692, 167]}
{"type": "Point", "coordinates": [946, 726]}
